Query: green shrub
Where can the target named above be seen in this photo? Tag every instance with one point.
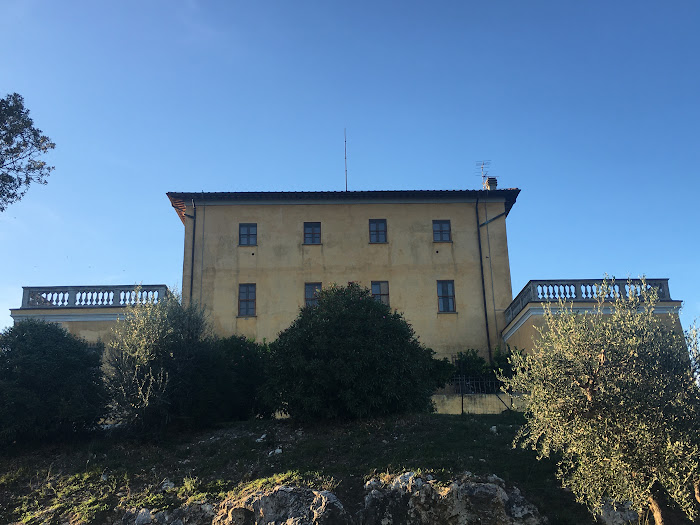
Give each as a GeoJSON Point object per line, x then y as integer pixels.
{"type": "Point", "coordinates": [163, 368]}
{"type": "Point", "coordinates": [351, 357]}
{"type": "Point", "coordinates": [50, 383]}
{"type": "Point", "coordinates": [229, 375]}
{"type": "Point", "coordinates": [470, 364]}
{"type": "Point", "coordinates": [150, 365]}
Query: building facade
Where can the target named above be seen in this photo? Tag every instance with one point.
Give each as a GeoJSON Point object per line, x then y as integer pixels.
{"type": "Point", "coordinates": [439, 257]}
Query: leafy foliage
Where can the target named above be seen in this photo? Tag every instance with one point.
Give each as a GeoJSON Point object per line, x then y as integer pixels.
{"type": "Point", "coordinates": [476, 375]}
{"type": "Point", "coordinates": [162, 367]}
{"type": "Point", "coordinates": [351, 357]}
{"type": "Point", "coordinates": [469, 363]}
{"type": "Point", "coordinates": [150, 364]}
{"type": "Point", "coordinates": [614, 394]}
{"type": "Point", "coordinates": [20, 146]}
{"type": "Point", "coordinates": [50, 384]}
{"type": "Point", "coordinates": [230, 378]}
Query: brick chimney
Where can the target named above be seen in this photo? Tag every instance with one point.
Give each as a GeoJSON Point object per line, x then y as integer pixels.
{"type": "Point", "coordinates": [491, 183]}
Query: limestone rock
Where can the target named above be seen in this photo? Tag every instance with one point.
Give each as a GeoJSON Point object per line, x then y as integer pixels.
{"type": "Point", "coordinates": [617, 515]}
{"type": "Point", "coordinates": [284, 506]}
{"type": "Point", "coordinates": [143, 517]}
{"type": "Point", "coordinates": [409, 500]}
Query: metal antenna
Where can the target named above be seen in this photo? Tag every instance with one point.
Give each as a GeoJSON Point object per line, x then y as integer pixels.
{"type": "Point", "coordinates": [345, 135]}
{"type": "Point", "coordinates": [482, 168]}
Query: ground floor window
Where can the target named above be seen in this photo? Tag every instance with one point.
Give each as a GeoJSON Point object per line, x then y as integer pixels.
{"type": "Point", "coordinates": [246, 299]}
{"type": "Point", "coordinates": [311, 293]}
{"type": "Point", "coordinates": [380, 291]}
{"type": "Point", "coordinates": [446, 296]}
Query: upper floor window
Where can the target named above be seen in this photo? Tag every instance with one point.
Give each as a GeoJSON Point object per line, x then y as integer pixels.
{"type": "Point", "coordinates": [380, 291]}
{"type": "Point", "coordinates": [377, 230]}
{"type": "Point", "coordinates": [442, 232]}
{"type": "Point", "coordinates": [446, 296]}
{"type": "Point", "coordinates": [248, 234]}
{"type": "Point", "coordinates": [311, 293]}
{"type": "Point", "coordinates": [312, 233]}
{"type": "Point", "coordinates": [246, 300]}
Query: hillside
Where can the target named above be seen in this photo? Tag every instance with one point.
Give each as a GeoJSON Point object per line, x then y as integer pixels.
{"type": "Point", "coordinates": [84, 482]}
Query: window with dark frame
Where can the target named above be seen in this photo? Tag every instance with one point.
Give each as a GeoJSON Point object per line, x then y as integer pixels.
{"type": "Point", "coordinates": [248, 234]}
{"type": "Point", "coordinates": [380, 291]}
{"type": "Point", "coordinates": [377, 231]}
{"type": "Point", "coordinates": [442, 231]}
{"type": "Point", "coordinates": [311, 293]}
{"type": "Point", "coordinates": [246, 300]}
{"type": "Point", "coordinates": [312, 233]}
{"type": "Point", "coordinates": [446, 296]}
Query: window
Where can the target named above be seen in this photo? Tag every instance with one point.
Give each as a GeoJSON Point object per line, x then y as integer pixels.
{"type": "Point", "coordinates": [380, 291]}
{"type": "Point", "coordinates": [446, 296]}
{"type": "Point", "coordinates": [312, 233]}
{"type": "Point", "coordinates": [246, 300]}
{"type": "Point", "coordinates": [247, 234]}
{"type": "Point", "coordinates": [377, 230]}
{"type": "Point", "coordinates": [442, 231]}
{"type": "Point", "coordinates": [311, 293]}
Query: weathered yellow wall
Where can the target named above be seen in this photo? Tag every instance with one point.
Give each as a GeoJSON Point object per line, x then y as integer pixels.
{"type": "Point", "coordinates": [525, 336]}
{"type": "Point", "coordinates": [90, 330]}
{"type": "Point", "coordinates": [410, 261]}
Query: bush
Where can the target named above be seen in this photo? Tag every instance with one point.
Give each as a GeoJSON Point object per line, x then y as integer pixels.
{"type": "Point", "coordinates": [230, 379]}
{"type": "Point", "coordinates": [351, 357]}
{"type": "Point", "coordinates": [470, 364]}
{"type": "Point", "coordinates": [50, 383]}
{"type": "Point", "coordinates": [163, 368]}
{"type": "Point", "coordinates": [150, 365]}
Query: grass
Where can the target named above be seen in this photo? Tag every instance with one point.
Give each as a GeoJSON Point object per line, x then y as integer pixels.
{"type": "Point", "coordinates": [84, 482]}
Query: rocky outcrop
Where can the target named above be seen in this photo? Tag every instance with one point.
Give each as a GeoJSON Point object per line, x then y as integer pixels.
{"type": "Point", "coordinates": [284, 506]}
{"type": "Point", "coordinates": [408, 499]}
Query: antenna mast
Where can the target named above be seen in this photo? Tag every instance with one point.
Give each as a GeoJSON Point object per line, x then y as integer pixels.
{"type": "Point", "coordinates": [345, 135]}
{"type": "Point", "coordinates": [482, 168]}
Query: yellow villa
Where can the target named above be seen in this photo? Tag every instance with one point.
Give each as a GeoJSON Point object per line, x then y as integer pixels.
{"type": "Point", "coordinates": [439, 257]}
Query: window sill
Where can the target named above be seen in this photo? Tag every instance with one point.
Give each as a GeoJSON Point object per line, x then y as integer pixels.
{"type": "Point", "coordinates": [383, 242]}
{"type": "Point", "coordinates": [246, 316]}
{"type": "Point", "coordinates": [247, 245]}
{"type": "Point", "coordinates": [447, 312]}
{"type": "Point", "coordinates": [311, 244]}
{"type": "Point", "coordinates": [442, 242]}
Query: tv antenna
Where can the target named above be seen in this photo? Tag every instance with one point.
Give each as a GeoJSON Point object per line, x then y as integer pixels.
{"type": "Point", "coordinates": [345, 136]}
{"type": "Point", "coordinates": [482, 168]}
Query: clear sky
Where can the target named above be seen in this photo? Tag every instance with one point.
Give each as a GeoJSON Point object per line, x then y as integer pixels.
{"type": "Point", "coordinates": [591, 108]}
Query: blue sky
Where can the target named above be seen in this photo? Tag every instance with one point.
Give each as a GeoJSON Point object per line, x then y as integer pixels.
{"type": "Point", "coordinates": [591, 108]}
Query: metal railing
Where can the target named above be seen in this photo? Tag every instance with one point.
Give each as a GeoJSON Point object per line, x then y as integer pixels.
{"type": "Point", "coordinates": [465, 385]}
{"type": "Point", "coordinates": [579, 290]}
{"type": "Point", "coordinates": [102, 296]}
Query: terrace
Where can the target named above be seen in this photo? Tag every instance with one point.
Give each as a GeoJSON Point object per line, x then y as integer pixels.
{"type": "Point", "coordinates": [105, 296]}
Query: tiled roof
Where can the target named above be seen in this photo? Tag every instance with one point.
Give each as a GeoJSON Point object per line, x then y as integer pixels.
{"type": "Point", "coordinates": [179, 200]}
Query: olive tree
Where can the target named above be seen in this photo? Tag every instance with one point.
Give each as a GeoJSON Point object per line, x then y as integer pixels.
{"type": "Point", "coordinates": [149, 364]}
{"type": "Point", "coordinates": [162, 367]}
{"type": "Point", "coordinates": [612, 394]}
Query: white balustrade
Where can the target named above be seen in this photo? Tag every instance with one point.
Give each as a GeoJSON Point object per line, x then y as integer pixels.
{"type": "Point", "coordinates": [91, 296]}
{"type": "Point", "coordinates": [580, 290]}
